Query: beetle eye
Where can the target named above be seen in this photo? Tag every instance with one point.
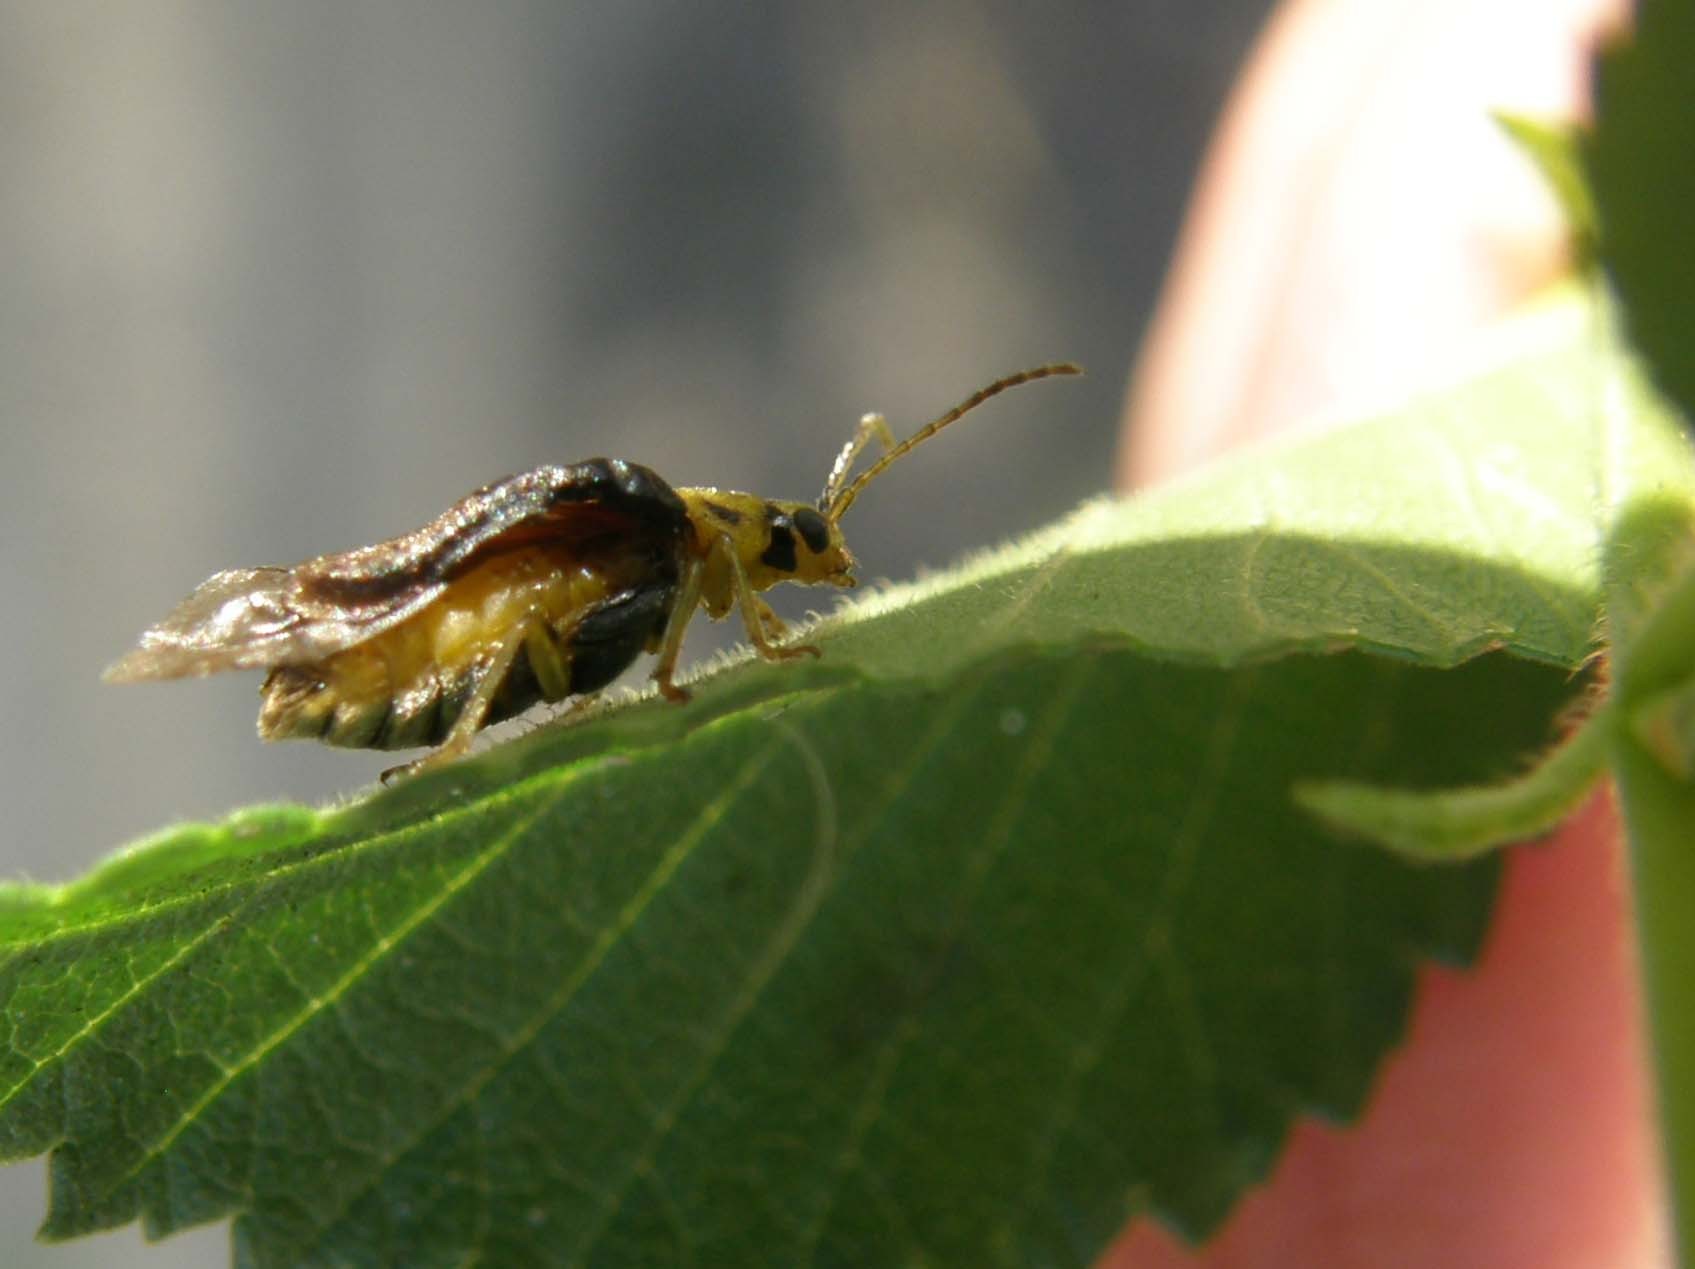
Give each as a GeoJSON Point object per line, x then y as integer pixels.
{"type": "Point", "coordinates": [814, 529]}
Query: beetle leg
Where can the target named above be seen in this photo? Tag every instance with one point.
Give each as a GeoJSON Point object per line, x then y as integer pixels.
{"type": "Point", "coordinates": [757, 615]}
{"type": "Point", "coordinates": [470, 720]}
{"type": "Point", "coordinates": [776, 629]}
{"type": "Point", "coordinates": [553, 672]}
{"type": "Point", "coordinates": [671, 645]}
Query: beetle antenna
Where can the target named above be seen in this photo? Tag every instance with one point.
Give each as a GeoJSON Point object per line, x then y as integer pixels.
{"type": "Point", "coordinates": [870, 426]}
{"type": "Point", "coordinates": [835, 507]}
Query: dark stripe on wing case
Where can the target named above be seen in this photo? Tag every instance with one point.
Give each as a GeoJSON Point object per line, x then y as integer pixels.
{"type": "Point", "coordinates": [436, 552]}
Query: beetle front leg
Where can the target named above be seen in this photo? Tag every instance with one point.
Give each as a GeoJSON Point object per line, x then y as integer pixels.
{"type": "Point", "coordinates": [763, 625]}
{"type": "Point", "coordinates": [775, 628]}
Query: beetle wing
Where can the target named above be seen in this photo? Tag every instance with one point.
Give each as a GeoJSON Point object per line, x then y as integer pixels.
{"type": "Point", "coordinates": [256, 618]}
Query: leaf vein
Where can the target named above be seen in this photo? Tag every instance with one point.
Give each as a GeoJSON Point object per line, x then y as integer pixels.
{"type": "Point", "coordinates": [317, 1004]}
{"type": "Point", "coordinates": [1156, 940]}
{"type": "Point", "coordinates": [996, 836]}
{"type": "Point", "coordinates": [773, 957]}
{"type": "Point", "coordinates": [609, 939]}
{"type": "Point", "coordinates": [93, 1024]}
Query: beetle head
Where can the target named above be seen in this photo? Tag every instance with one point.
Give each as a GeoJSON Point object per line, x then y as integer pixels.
{"type": "Point", "coordinates": [805, 545]}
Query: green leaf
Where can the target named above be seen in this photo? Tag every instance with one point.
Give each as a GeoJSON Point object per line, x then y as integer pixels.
{"type": "Point", "coordinates": [994, 927]}
{"type": "Point", "coordinates": [1641, 162]}
{"type": "Point", "coordinates": [1556, 150]}
{"type": "Point", "coordinates": [1439, 825]}
{"type": "Point", "coordinates": [1654, 584]}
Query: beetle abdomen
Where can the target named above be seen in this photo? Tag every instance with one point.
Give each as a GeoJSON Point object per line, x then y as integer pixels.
{"type": "Point", "coordinates": [604, 643]}
{"type": "Point", "coordinates": [406, 688]}
{"type": "Point", "coordinates": [306, 703]}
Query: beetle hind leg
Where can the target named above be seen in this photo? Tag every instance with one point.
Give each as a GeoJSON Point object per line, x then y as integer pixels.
{"type": "Point", "coordinates": [671, 643]}
{"type": "Point", "coordinates": [552, 669]}
{"type": "Point", "coordinates": [490, 679]}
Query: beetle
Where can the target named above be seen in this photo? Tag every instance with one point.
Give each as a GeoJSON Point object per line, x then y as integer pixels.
{"type": "Point", "coordinates": [537, 587]}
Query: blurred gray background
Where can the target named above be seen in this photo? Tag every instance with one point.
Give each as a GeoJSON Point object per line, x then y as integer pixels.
{"type": "Point", "coordinates": [279, 279]}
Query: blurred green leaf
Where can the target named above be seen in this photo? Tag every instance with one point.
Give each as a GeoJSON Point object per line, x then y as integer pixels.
{"type": "Point", "coordinates": [1556, 150]}
{"type": "Point", "coordinates": [1641, 163]}
{"type": "Point", "coordinates": [1641, 166]}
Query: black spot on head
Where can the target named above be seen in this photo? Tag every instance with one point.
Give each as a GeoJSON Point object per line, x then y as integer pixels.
{"type": "Point", "coordinates": [729, 515]}
{"type": "Point", "coordinates": [780, 555]}
{"type": "Point", "coordinates": [814, 529]}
